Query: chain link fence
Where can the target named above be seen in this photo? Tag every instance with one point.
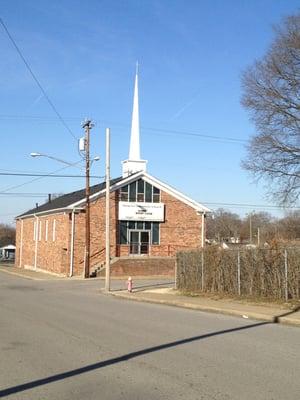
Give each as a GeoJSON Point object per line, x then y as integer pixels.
{"type": "Point", "coordinates": [254, 273]}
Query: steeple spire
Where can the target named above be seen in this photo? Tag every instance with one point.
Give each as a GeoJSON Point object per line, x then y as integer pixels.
{"type": "Point", "coordinates": [134, 150]}
{"type": "Point", "coordinates": [134, 163]}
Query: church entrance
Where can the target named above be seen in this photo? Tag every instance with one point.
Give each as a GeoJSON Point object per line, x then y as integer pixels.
{"type": "Point", "coordinates": [139, 242]}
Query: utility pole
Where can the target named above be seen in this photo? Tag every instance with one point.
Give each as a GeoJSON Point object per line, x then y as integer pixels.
{"type": "Point", "coordinates": [107, 213]}
{"type": "Point", "coordinates": [87, 126]}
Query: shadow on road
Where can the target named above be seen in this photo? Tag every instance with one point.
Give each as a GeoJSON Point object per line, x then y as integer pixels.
{"type": "Point", "coordinates": [277, 318]}
{"type": "Point", "coordinates": [116, 360]}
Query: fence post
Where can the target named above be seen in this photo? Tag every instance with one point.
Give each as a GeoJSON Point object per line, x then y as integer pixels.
{"type": "Point", "coordinates": [286, 275]}
{"type": "Point", "coordinates": [239, 272]}
{"type": "Point", "coordinates": [202, 270]}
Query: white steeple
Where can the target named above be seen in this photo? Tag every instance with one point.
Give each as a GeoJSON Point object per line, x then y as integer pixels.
{"type": "Point", "coordinates": [134, 163]}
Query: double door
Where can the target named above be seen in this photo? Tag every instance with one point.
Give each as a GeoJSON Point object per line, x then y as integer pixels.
{"type": "Point", "coordinates": [139, 242]}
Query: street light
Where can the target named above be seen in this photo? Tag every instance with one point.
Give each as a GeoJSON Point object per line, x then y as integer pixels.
{"type": "Point", "coordinates": [35, 154]}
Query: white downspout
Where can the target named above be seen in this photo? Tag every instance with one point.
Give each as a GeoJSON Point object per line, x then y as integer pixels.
{"type": "Point", "coordinates": [72, 244]}
{"type": "Point", "coordinates": [36, 241]}
{"type": "Point", "coordinates": [21, 245]}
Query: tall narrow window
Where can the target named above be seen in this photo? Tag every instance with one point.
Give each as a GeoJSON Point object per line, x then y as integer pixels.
{"type": "Point", "coordinates": [156, 195]}
{"type": "Point", "coordinates": [40, 231]}
{"type": "Point", "coordinates": [155, 233]}
{"type": "Point", "coordinates": [124, 193]}
{"type": "Point", "coordinates": [132, 191]}
{"type": "Point", "coordinates": [46, 231]}
{"type": "Point", "coordinates": [34, 230]}
{"type": "Point", "coordinates": [141, 190]}
{"type": "Point", "coordinates": [148, 196]}
{"type": "Point", "coordinates": [123, 232]}
{"type": "Point", "coordinates": [54, 230]}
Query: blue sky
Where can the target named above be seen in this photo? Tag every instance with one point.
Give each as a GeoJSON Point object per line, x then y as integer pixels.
{"type": "Point", "coordinates": [191, 54]}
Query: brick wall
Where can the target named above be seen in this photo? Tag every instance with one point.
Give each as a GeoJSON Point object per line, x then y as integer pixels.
{"type": "Point", "coordinates": [52, 255]}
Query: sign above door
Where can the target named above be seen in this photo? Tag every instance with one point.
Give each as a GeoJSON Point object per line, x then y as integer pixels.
{"type": "Point", "coordinates": [141, 211]}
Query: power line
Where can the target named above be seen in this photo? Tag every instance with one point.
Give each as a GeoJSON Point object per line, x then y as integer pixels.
{"type": "Point", "coordinates": [36, 79]}
{"type": "Point", "coordinates": [47, 175]}
{"type": "Point", "coordinates": [160, 131]}
{"type": "Point", "coordinates": [36, 179]}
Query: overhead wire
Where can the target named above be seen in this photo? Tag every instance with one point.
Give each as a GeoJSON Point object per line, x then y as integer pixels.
{"type": "Point", "coordinates": [36, 79]}
{"type": "Point", "coordinates": [160, 131]}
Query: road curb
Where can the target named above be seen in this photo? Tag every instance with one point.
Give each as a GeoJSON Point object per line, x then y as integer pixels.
{"type": "Point", "coordinates": [216, 310]}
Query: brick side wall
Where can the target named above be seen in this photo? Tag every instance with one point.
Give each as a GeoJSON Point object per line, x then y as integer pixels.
{"type": "Point", "coordinates": [52, 256]}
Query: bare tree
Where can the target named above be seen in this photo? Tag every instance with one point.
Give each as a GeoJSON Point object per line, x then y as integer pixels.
{"type": "Point", "coordinates": [224, 225]}
{"type": "Point", "coordinates": [271, 92]}
{"type": "Point", "coordinates": [7, 235]}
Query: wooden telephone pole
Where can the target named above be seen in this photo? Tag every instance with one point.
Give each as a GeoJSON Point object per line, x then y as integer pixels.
{"type": "Point", "coordinates": [87, 126]}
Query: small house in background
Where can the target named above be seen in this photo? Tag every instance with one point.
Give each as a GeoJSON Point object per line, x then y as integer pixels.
{"type": "Point", "coordinates": [8, 252]}
{"type": "Point", "coordinates": [149, 222]}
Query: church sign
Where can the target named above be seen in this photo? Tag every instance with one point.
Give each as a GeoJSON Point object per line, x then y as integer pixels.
{"type": "Point", "coordinates": [141, 211]}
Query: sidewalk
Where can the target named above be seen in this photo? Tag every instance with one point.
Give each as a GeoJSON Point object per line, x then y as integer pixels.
{"type": "Point", "coordinates": [27, 273]}
{"type": "Point", "coordinates": [241, 308]}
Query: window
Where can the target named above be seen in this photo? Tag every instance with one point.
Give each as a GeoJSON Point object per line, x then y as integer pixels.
{"type": "Point", "coordinates": [132, 191]}
{"type": "Point", "coordinates": [123, 232]}
{"type": "Point", "coordinates": [46, 231]}
{"type": "Point", "coordinates": [125, 226]}
{"type": "Point", "coordinates": [140, 191]}
{"type": "Point", "coordinates": [40, 231]}
{"type": "Point", "coordinates": [148, 193]}
{"type": "Point", "coordinates": [54, 230]}
{"type": "Point", "coordinates": [34, 230]}
{"type": "Point", "coordinates": [155, 233]}
{"type": "Point", "coordinates": [156, 195]}
{"type": "Point", "coordinates": [124, 193]}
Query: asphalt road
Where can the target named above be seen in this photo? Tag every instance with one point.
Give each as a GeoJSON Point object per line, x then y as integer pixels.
{"type": "Point", "coordinates": [66, 340]}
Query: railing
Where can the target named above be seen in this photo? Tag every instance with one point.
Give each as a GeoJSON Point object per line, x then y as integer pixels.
{"type": "Point", "coordinates": [146, 249]}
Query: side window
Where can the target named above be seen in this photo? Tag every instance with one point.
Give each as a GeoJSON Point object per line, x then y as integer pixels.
{"type": "Point", "coordinates": [34, 230]}
{"type": "Point", "coordinates": [46, 230]}
{"type": "Point", "coordinates": [40, 230]}
{"type": "Point", "coordinates": [54, 230]}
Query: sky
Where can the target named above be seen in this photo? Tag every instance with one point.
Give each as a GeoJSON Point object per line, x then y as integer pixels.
{"type": "Point", "coordinates": [191, 55]}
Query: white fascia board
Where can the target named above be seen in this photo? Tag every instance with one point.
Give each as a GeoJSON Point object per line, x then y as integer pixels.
{"type": "Point", "coordinates": [54, 211]}
{"type": "Point", "coordinates": [154, 181]}
{"type": "Point", "coordinates": [175, 193]}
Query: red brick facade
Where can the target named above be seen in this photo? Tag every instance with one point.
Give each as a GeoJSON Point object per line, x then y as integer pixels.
{"type": "Point", "coordinates": [53, 247]}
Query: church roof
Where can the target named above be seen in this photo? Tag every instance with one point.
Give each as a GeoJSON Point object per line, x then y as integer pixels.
{"type": "Point", "coordinates": [64, 201]}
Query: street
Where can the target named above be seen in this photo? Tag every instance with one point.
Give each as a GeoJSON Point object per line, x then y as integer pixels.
{"type": "Point", "coordinates": [65, 339]}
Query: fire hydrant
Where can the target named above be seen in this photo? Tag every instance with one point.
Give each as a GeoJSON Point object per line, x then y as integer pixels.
{"type": "Point", "coordinates": [129, 284]}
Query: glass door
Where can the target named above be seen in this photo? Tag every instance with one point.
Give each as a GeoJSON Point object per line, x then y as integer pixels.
{"type": "Point", "coordinates": [139, 242]}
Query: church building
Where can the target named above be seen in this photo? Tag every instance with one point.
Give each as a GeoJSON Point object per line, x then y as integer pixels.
{"type": "Point", "coordinates": [149, 222]}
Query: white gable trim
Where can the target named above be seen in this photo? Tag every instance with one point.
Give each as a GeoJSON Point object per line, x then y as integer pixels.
{"type": "Point", "coordinates": [153, 181]}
